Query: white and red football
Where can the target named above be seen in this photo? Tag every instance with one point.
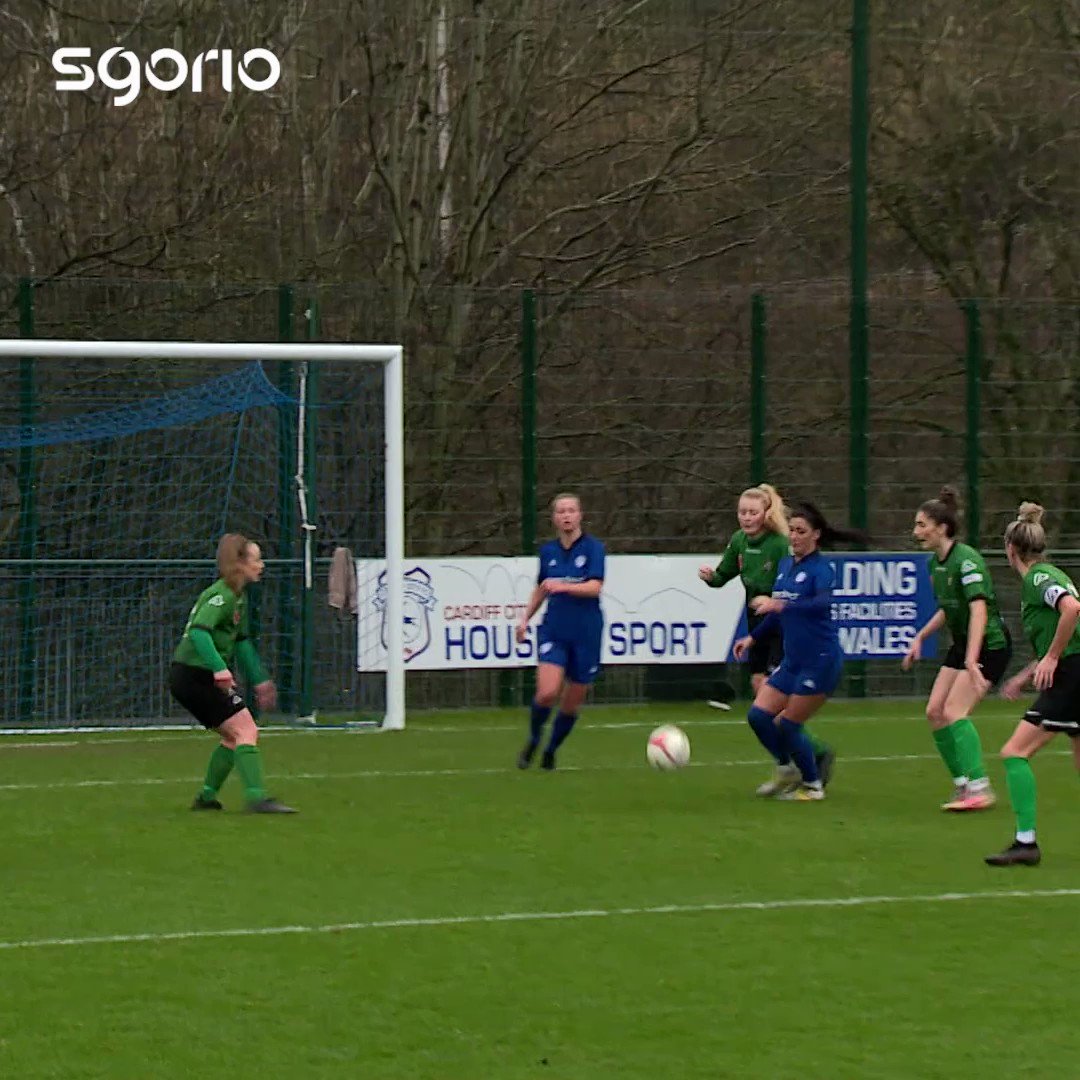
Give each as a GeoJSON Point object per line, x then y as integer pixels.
{"type": "Point", "coordinates": [668, 748]}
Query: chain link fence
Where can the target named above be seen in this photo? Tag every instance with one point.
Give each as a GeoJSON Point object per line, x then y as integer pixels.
{"type": "Point", "coordinates": [643, 403]}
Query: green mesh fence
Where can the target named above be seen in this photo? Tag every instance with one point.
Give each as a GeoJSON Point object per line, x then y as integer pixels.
{"type": "Point", "coordinates": [644, 405]}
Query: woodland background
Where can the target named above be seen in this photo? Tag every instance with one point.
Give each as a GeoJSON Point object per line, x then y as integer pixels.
{"type": "Point", "coordinates": [644, 167]}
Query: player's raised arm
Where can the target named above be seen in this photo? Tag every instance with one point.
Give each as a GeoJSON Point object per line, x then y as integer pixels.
{"type": "Point", "coordinates": [727, 569]}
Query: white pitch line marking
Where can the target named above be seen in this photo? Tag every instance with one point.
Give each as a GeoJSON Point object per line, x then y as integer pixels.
{"type": "Point", "coordinates": [731, 906]}
{"type": "Point", "coordinates": [120, 737]}
{"type": "Point", "coordinates": [500, 770]}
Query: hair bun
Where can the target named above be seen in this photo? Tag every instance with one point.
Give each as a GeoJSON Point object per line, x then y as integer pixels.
{"type": "Point", "coordinates": [1031, 513]}
{"type": "Point", "coordinates": [950, 497]}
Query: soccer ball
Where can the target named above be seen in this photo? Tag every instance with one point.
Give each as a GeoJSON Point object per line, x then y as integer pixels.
{"type": "Point", "coordinates": [668, 748]}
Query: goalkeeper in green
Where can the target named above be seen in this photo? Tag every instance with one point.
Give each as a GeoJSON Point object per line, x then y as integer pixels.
{"type": "Point", "coordinates": [1050, 610]}
{"type": "Point", "coordinates": [216, 634]}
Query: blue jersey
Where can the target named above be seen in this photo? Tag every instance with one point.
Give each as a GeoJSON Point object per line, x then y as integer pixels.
{"type": "Point", "coordinates": [806, 587]}
{"type": "Point", "coordinates": [569, 617]}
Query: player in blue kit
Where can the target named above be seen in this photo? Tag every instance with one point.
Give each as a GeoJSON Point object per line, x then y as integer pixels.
{"type": "Point", "coordinates": [568, 640]}
{"type": "Point", "coordinates": [801, 603]}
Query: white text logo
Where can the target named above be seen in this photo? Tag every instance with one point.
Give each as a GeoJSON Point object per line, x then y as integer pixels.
{"type": "Point", "coordinates": [167, 69]}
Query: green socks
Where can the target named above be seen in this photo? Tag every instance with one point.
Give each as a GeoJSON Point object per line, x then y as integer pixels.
{"type": "Point", "coordinates": [968, 750]}
{"type": "Point", "coordinates": [249, 766]}
{"type": "Point", "coordinates": [1021, 783]}
{"type": "Point", "coordinates": [945, 740]}
{"type": "Point", "coordinates": [221, 763]}
{"type": "Point", "coordinates": [961, 750]}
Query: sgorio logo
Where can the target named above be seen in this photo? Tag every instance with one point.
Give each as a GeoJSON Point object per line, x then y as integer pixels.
{"type": "Point", "coordinates": [167, 69]}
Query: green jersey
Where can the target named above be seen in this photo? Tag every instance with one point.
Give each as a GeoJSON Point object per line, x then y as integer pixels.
{"type": "Point", "coordinates": [754, 560]}
{"type": "Point", "coordinates": [958, 579]}
{"type": "Point", "coordinates": [1044, 586]}
{"type": "Point", "coordinates": [223, 615]}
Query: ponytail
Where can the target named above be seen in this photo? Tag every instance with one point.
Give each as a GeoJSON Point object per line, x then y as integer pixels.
{"type": "Point", "coordinates": [830, 534]}
{"type": "Point", "coordinates": [232, 550]}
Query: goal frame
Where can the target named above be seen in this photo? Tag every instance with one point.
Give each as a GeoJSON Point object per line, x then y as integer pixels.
{"type": "Point", "coordinates": [391, 357]}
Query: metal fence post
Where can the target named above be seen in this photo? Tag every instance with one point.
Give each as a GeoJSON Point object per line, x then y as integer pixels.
{"type": "Point", "coordinates": [858, 322]}
{"type": "Point", "coordinates": [757, 388]}
{"type": "Point", "coordinates": [974, 367]}
{"type": "Point", "coordinates": [528, 448]}
{"type": "Point", "coordinates": [310, 473]}
{"type": "Point", "coordinates": [286, 383]}
{"type": "Point", "coordinates": [27, 513]}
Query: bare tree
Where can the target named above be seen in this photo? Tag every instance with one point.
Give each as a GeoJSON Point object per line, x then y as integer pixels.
{"type": "Point", "coordinates": [976, 154]}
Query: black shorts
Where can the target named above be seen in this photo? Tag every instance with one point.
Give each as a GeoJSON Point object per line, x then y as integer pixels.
{"type": "Point", "coordinates": [994, 662]}
{"type": "Point", "coordinates": [196, 690]}
{"type": "Point", "coordinates": [766, 653]}
{"type": "Point", "coordinates": [1058, 709]}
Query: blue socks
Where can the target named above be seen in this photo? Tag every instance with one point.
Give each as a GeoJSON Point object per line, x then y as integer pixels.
{"type": "Point", "coordinates": [564, 724]}
{"type": "Point", "coordinates": [538, 717]}
{"type": "Point", "coordinates": [785, 741]}
{"type": "Point", "coordinates": [795, 742]}
{"type": "Point", "coordinates": [768, 734]}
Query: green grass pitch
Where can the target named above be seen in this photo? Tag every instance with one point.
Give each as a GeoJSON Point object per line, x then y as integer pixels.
{"type": "Point", "coordinates": [434, 914]}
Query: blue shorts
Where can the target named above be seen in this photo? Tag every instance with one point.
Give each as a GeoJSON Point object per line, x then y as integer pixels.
{"type": "Point", "coordinates": [821, 675]}
{"type": "Point", "coordinates": [579, 657]}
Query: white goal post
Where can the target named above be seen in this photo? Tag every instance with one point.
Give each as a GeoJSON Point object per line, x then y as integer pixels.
{"type": "Point", "coordinates": [388, 356]}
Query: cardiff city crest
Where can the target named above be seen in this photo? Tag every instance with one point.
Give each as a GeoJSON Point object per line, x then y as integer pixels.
{"type": "Point", "coordinates": [418, 602]}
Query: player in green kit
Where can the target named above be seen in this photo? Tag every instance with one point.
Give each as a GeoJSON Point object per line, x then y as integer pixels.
{"type": "Point", "coordinates": [754, 554]}
{"type": "Point", "coordinates": [977, 658]}
{"type": "Point", "coordinates": [1050, 609]}
{"type": "Point", "coordinates": [216, 634]}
